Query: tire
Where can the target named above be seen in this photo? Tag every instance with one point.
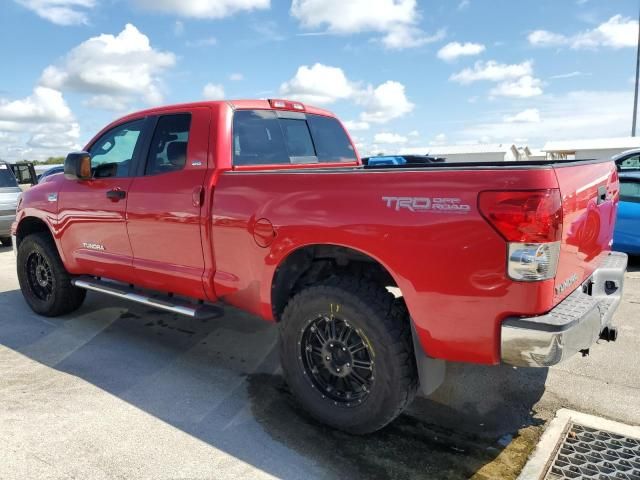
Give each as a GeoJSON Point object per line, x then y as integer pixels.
{"type": "Point", "coordinates": [6, 241]}
{"type": "Point", "coordinates": [382, 324]}
{"type": "Point", "coordinates": [45, 283]}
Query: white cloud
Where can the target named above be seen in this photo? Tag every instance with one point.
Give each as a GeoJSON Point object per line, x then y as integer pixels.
{"type": "Point", "coordinates": [319, 84]}
{"type": "Point", "coordinates": [39, 125]}
{"type": "Point", "coordinates": [414, 133]}
{"type": "Point", "coordinates": [44, 105]}
{"type": "Point", "coordinates": [124, 66]}
{"type": "Point", "coordinates": [544, 38]}
{"type": "Point", "coordinates": [236, 77]}
{"type": "Point", "coordinates": [384, 102]}
{"type": "Point", "coordinates": [523, 87]}
{"type": "Point", "coordinates": [568, 75]}
{"type": "Point", "coordinates": [203, 8]}
{"type": "Point", "coordinates": [464, 4]}
{"type": "Point", "coordinates": [454, 50]}
{"type": "Point", "coordinates": [515, 80]}
{"type": "Point", "coordinates": [107, 102]}
{"type": "Point", "coordinates": [213, 91]}
{"type": "Point", "coordinates": [577, 114]}
{"type": "Point", "coordinates": [59, 138]}
{"type": "Point", "coordinates": [530, 115]}
{"type": "Point", "coordinates": [396, 20]}
{"type": "Point", "coordinates": [617, 32]}
{"type": "Point", "coordinates": [322, 84]}
{"type": "Point", "coordinates": [61, 12]}
{"type": "Point", "coordinates": [355, 126]}
{"type": "Point", "coordinates": [403, 37]}
{"type": "Point", "coordinates": [387, 138]}
{"type": "Point", "coordinates": [492, 71]}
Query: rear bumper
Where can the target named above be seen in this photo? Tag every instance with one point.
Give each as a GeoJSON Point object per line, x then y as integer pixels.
{"type": "Point", "coordinates": [573, 325]}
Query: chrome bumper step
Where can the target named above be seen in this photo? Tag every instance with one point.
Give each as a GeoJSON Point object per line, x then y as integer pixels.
{"type": "Point", "coordinates": [161, 302]}
{"type": "Point", "coordinates": [571, 326]}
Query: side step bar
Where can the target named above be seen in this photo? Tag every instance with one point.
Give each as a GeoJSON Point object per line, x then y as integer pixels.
{"type": "Point", "coordinates": [164, 302]}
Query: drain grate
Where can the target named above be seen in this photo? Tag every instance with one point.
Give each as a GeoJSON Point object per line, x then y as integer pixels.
{"type": "Point", "coordinates": [589, 453]}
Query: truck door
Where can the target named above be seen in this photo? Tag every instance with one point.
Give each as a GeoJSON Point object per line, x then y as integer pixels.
{"type": "Point", "coordinates": [91, 213]}
{"type": "Point", "coordinates": [163, 210]}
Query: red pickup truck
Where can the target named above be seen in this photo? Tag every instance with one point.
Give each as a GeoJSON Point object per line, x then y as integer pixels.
{"type": "Point", "coordinates": [376, 274]}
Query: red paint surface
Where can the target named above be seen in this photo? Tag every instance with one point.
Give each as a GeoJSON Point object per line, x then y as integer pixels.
{"type": "Point", "coordinates": [450, 267]}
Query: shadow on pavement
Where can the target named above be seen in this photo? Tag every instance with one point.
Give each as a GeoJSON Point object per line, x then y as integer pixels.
{"type": "Point", "coordinates": [218, 380]}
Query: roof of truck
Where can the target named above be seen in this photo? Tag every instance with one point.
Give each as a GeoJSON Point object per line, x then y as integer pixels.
{"type": "Point", "coordinates": [236, 104]}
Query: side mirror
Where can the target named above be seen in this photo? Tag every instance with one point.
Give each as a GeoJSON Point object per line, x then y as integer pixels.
{"type": "Point", "coordinates": [77, 166]}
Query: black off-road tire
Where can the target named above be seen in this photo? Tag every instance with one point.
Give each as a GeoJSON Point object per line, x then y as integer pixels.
{"type": "Point", "coordinates": [382, 322]}
{"type": "Point", "coordinates": [64, 297]}
{"type": "Point", "coordinates": [6, 241]}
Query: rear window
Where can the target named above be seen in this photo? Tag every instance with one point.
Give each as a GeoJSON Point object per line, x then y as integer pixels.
{"type": "Point", "coordinates": [6, 177]}
{"type": "Point", "coordinates": [261, 137]}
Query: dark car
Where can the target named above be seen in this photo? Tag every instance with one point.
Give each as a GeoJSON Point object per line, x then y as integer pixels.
{"type": "Point", "coordinates": [51, 171]}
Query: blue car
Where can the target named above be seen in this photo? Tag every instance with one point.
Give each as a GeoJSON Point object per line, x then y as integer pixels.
{"type": "Point", "coordinates": [626, 237]}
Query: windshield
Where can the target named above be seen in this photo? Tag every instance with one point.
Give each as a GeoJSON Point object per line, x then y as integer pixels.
{"type": "Point", "coordinates": [6, 177]}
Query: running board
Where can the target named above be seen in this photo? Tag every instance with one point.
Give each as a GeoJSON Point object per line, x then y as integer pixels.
{"type": "Point", "coordinates": [166, 303]}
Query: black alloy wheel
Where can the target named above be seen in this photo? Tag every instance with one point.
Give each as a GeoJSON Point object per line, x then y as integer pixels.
{"type": "Point", "coordinates": [39, 276]}
{"type": "Point", "coordinates": [337, 359]}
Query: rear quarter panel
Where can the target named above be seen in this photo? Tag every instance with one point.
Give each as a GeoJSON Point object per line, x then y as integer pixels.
{"type": "Point", "coordinates": [449, 266]}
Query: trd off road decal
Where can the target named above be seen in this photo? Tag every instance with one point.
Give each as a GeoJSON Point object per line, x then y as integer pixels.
{"type": "Point", "coordinates": [427, 204]}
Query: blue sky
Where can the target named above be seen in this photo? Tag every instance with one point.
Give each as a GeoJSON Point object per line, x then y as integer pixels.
{"type": "Point", "coordinates": [405, 75]}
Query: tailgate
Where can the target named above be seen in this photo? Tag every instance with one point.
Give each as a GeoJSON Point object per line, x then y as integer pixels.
{"type": "Point", "coordinates": [589, 201]}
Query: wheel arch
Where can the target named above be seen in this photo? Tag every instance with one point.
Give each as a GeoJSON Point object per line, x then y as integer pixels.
{"type": "Point", "coordinates": [309, 263]}
{"type": "Point", "coordinates": [29, 225]}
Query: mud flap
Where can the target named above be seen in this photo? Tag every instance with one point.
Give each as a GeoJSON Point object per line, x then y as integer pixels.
{"type": "Point", "coordinates": [431, 371]}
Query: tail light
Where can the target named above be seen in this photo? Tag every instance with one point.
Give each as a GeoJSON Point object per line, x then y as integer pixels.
{"type": "Point", "coordinates": [531, 223]}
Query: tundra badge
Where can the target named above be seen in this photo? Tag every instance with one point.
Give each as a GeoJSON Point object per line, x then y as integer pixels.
{"type": "Point", "coordinates": [93, 246]}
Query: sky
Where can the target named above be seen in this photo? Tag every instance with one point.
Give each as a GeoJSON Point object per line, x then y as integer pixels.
{"type": "Point", "coordinates": [404, 75]}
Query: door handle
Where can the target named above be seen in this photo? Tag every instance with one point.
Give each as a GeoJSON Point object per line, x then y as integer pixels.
{"type": "Point", "coordinates": [197, 197]}
{"type": "Point", "coordinates": [116, 194]}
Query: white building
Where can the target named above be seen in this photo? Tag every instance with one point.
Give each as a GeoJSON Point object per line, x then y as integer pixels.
{"type": "Point", "coordinates": [527, 153]}
{"type": "Point", "coordinates": [589, 148]}
{"type": "Point", "coordinates": [476, 153]}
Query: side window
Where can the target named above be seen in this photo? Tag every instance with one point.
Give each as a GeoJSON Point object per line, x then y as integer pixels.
{"type": "Point", "coordinates": [631, 163]}
{"type": "Point", "coordinates": [112, 153]}
{"type": "Point", "coordinates": [630, 190]}
{"type": "Point", "coordinates": [168, 150]}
